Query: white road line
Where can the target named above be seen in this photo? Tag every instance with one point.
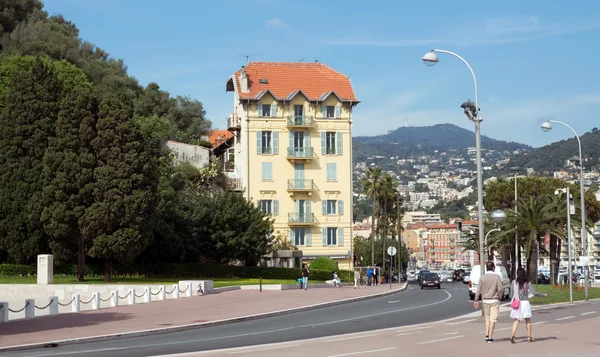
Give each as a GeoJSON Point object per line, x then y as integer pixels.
{"type": "Point", "coordinates": [411, 288]}
{"type": "Point", "coordinates": [351, 338]}
{"type": "Point", "coordinates": [358, 353]}
{"type": "Point", "coordinates": [408, 333]}
{"type": "Point", "coordinates": [440, 340]}
{"type": "Point", "coordinates": [588, 313]}
{"type": "Point", "coordinates": [498, 329]}
{"type": "Point", "coordinates": [260, 349]}
{"type": "Point", "coordinates": [450, 333]}
{"type": "Point", "coordinates": [539, 322]}
{"type": "Point", "coordinates": [393, 301]}
{"type": "Point", "coordinates": [460, 322]}
{"type": "Point", "coordinates": [565, 318]}
{"type": "Point", "coordinates": [414, 328]}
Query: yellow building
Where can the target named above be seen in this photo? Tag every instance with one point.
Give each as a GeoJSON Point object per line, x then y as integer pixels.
{"type": "Point", "coordinates": [293, 151]}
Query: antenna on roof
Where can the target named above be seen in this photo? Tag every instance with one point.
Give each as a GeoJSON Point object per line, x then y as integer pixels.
{"type": "Point", "coordinates": [247, 56]}
{"type": "Point", "coordinates": [302, 60]}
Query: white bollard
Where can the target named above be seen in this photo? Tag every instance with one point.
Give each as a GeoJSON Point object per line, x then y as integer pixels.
{"type": "Point", "coordinates": [188, 291]}
{"type": "Point", "coordinates": [175, 291]}
{"type": "Point", "coordinates": [96, 301]}
{"type": "Point", "coordinates": [53, 308]}
{"type": "Point", "coordinates": [161, 292]}
{"type": "Point", "coordinates": [3, 311]}
{"type": "Point", "coordinates": [131, 297]}
{"type": "Point", "coordinates": [30, 308]}
{"type": "Point", "coordinates": [147, 297]}
{"type": "Point", "coordinates": [76, 306]}
{"type": "Point", "coordinates": [114, 300]}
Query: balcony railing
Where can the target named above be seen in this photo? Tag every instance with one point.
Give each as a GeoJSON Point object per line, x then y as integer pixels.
{"type": "Point", "coordinates": [233, 122]}
{"type": "Point", "coordinates": [301, 218]}
{"type": "Point", "coordinates": [300, 185]}
{"type": "Point", "coordinates": [236, 184]}
{"type": "Point", "coordinates": [300, 153]}
{"type": "Point", "coordinates": [305, 121]}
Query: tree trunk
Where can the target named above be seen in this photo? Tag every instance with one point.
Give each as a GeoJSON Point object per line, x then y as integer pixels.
{"type": "Point", "coordinates": [532, 260]}
{"type": "Point", "coordinates": [81, 260]}
{"type": "Point", "coordinates": [107, 270]}
{"type": "Point", "coordinates": [383, 256]}
{"type": "Point", "coordinates": [553, 258]}
{"type": "Point", "coordinates": [373, 231]}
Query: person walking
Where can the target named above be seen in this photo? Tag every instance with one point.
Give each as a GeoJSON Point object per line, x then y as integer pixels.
{"type": "Point", "coordinates": [521, 308]}
{"type": "Point", "coordinates": [305, 273]}
{"type": "Point", "coordinates": [490, 291]}
{"type": "Point", "coordinates": [369, 276]}
{"type": "Point", "coordinates": [356, 278]}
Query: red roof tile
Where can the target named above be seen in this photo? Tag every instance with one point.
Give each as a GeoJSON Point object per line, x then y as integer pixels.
{"type": "Point", "coordinates": [285, 78]}
{"type": "Point", "coordinates": [217, 137]}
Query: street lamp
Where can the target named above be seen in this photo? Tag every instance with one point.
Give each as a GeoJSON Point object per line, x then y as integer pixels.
{"type": "Point", "coordinates": [516, 169]}
{"type": "Point", "coordinates": [498, 217]}
{"type": "Point", "coordinates": [546, 126]}
{"type": "Point", "coordinates": [472, 111]}
{"type": "Point", "coordinates": [570, 267]}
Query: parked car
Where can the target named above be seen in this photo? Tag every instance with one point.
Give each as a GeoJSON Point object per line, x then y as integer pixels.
{"type": "Point", "coordinates": [542, 279]}
{"type": "Point", "coordinates": [430, 280]}
{"type": "Point", "coordinates": [474, 280]}
{"type": "Point", "coordinates": [466, 278]}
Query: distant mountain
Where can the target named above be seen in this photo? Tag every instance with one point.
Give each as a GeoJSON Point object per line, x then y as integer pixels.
{"type": "Point", "coordinates": [413, 141]}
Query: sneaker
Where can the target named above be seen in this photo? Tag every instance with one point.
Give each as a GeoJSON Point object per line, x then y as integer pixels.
{"type": "Point", "coordinates": [487, 338]}
{"type": "Point", "coordinates": [490, 340]}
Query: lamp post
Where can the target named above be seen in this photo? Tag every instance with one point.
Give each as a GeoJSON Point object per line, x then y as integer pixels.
{"type": "Point", "coordinates": [498, 217]}
{"type": "Point", "coordinates": [516, 261]}
{"type": "Point", "coordinates": [472, 112]}
{"type": "Point", "coordinates": [569, 268]}
{"type": "Point", "coordinates": [546, 126]}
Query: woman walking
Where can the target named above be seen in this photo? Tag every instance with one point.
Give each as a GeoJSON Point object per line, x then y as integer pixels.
{"type": "Point", "coordinates": [521, 308]}
{"type": "Point", "coordinates": [305, 273]}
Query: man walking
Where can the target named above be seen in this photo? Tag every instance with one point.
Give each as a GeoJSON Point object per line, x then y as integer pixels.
{"type": "Point", "coordinates": [356, 278]}
{"type": "Point", "coordinates": [489, 290]}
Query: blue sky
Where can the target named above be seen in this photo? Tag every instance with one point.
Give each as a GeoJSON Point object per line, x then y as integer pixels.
{"type": "Point", "coordinates": [534, 60]}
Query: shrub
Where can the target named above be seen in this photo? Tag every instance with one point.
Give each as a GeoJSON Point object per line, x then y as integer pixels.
{"type": "Point", "coordinates": [16, 270]}
{"type": "Point", "coordinates": [324, 263]}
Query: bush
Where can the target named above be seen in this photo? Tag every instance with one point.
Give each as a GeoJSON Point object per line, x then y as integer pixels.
{"type": "Point", "coordinates": [323, 263]}
{"type": "Point", "coordinates": [16, 270]}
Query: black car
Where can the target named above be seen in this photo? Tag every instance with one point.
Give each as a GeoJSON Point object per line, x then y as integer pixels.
{"type": "Point", "coordinates": [542, 279]}
{"type": "Point", "coordinates": [430, 280]}
{"type": "Point", "coordinates": [421, 274]}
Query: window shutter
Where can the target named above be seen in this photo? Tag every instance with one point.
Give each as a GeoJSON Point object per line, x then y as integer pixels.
{"type": "Point", "coordinates": [258, 204]}
{"type": "Point", "coordinates": [297, 206]}
{"type": "Point", "coordinates": [274, 109]}
{"type": "Point", "coordinates": [340, 237]}
{"type": "Point", "coordinates": [338, 111]}
{"type": "Point", "coordinates": [307, 206]}
{"type": "Point", "coordinates": [323, 144]}
{"type": "Point", "coordinates": [275, 207]}
{"type": "Point", "coordinates": [269, 170]}
{"type": "Point", "coordinates": [307, 238]}
{"type": "Point", "coordinates": [293, 236]}
{"type": "Point", "coordinates": [260, 110]}
{"type": "Point", "coordinates": [264, 170]}
{"type": "Point", "coordinates": [324, 110]}
{"type": "Point", "coordinates": [339, 143]}
{"type": "Point", "coordinates": [259, 142]}
{"type": "Point", "coordinates": [291, 136]}
{"type": "Point", "coordinates": [324, 236]}
{"type": "Point", "coordinates": [306, 141]}
{"type": "Point", "coordinates": [324, 207]}
{"type": "Point", "coordinates": [275, 142]}
{"type": "Point", "coordinates": [329, 172]}
{"type": "Point", "coordinates": [340, 207]}
{"type": "Point", "coordinates": [334, 172]}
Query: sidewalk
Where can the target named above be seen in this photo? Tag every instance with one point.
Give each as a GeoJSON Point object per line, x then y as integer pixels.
{"type": "Point", "coordinates": [176, 314]}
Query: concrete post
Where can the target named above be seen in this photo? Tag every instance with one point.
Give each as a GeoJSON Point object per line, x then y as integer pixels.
{"type": "Point", "coordinates": [45, 269]}
{"type": "Point", "coordinates": [76, 306]}
{"type": "Point", "coordinates": [131, 297]}
{"type": "Point", "coordinates": [189, 290]}
{"type": "Point", "coordinates": [30, 309]}
{"type": "Point", "coordinates": [147, 297]}
{"type": "Point", "coordinates": [3, 311]}
{"type": "Point", "coordinates": [161, 292]}
{"type": "Point", "coordinates": [53, 308]}
{"type": "Point", "coordinates": [175, 291]}
{"type": "Point", "coordinates": [96, 301]}
{"type": "Point", "coordinates": [114, 300]}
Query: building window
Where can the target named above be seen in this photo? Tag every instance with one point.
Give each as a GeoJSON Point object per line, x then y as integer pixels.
{"type": "Point", "coordinates": [269, 207]}
{"type": "Point", "coordinates": [267, 171]}
{"type": "Point", "coordinates": [267, 142]}
{"type": "Point", "coordinates": [331, 111]}
{"type": "Point", "coordinates": [331, 236]}
{"type": "Point", "coordinates": [298, 236]}
{"type": "Point", "coordinates": [331, 172]}
{"type": "Point", "coordinates": [331, 143]}
{"type": "Point", "coordinates": [267, 110]}
{"type": "Point", "coordinates": [330, 206]}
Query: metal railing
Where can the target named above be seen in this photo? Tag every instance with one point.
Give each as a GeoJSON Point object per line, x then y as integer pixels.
{"type": "Point", "coordinates": [307, 185]}
{"type": "Point", "coordinates": [233, 122]}
{"type": "Point", "coordinates": [236, 184]}
{"type": "Point", "coordinates": [300, 120]}
{"type": "Point", "coordinates": [300, 152]}
{"type": "Point", "coordinates": [301, 218]}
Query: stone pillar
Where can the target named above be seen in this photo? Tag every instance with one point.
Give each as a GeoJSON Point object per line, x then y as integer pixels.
{"type": "Point", "coordinates": [131, 297]}
{"type": "Point", "coordinates": [76, 306]}
{"type": "Point", "coordinates": [147, 297]}
{"type": "Point", "coordinates": [114, 300]}
{"type": "Point", "coordinates": [189, 290]}
{"type": "Point", "coordinates": [3, 311]}
{"type": "Point", "coordinates": [53, 306]}
{"type": "Point", "coordinates": [45, 269]}
{"type": "Point", "coordinates": [96, 301]}
{"type": "Point", "coordinates": [30, 308]}
{"type": "Point", "coordinates": [175, 292]}
{"type": "Point", "coordinates": [161, 292]}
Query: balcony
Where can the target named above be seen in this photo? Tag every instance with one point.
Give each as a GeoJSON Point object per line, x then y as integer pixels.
{"type": "Point", "coordinates": [235, 184]}
{"type": "Point", "coordinates": [300, 121]}
{"type": "Point", "coordinates": [301, 219]}
{"type": "Point", "coordinates": [300, 154]}
{"type": "Point", "coordinates": [301, 186]}
{"type": "Point", "coordinates": [234, 122]}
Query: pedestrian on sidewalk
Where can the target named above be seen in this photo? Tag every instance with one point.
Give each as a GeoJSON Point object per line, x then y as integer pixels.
{"type": "Point", "coordinates": [490, 291]}
{"type": "Point", "coordinates": [376, 276]}
{"type": "Point", "coordinates": [305, 273]}
{"type": "Point", "coordinates": [356, 278]}
{"type": "Point", "coordinates": [521, 308]}
{"type": "Point", "coordinates": [369, 276]}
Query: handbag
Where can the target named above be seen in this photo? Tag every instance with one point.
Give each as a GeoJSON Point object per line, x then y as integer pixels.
{"type": "Point", "coordinates": [515, 301]}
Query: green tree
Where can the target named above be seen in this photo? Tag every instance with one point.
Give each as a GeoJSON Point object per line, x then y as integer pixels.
{"type": "Point", "coordinates": [370, 184]}
{"type": "Point", "coordinates": [69, 164]}
{"type": "Point", "coordinates": [26, 124]}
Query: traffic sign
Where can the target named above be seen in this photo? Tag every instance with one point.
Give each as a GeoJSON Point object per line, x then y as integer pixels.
{"type": "Point", "coordinates": [391, 251]}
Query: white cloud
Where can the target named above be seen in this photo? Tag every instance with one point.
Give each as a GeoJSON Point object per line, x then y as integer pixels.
{"type": "Point", "coordinates": [275, 23]}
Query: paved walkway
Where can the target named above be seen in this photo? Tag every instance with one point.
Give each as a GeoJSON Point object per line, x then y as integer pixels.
{"type": "Point", "coordinates": [173, 313]}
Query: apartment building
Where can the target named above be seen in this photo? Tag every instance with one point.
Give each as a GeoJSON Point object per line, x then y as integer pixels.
{"type": "Point", "coordinates": [293, 151]}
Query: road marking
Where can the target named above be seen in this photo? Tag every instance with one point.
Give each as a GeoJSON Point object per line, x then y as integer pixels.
{"type": "Point", "coordinates": [414, 328]}
{"type": "Point", "coordinates": [393, 301]}
{"type": "Point", "coordinates": [565, 318]}
{"type": "Point", "coordinates": [450, 333]}
{"type": "Point", "coordinates": [440, 340]}
{"type": "Point", "coordinates": [260, 349]}
{"type": "Point", "coordinates": [461, 322]}
{"type": "Point", "coordinates": [539, 323]}
{"type": "Point", "coordinates": [408, 333]}
{"type": "Point", "coordinates": [351, 338]}
{"type": "Point", "coordinates": [588, 313]}
{"type": "Point", "coordinates": [358, 353]}
{"type": "Point", "coordinates": [411, 288]}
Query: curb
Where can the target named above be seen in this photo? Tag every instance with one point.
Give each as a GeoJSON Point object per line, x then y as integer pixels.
{"type": "Point", "coordinates": [141, 333]}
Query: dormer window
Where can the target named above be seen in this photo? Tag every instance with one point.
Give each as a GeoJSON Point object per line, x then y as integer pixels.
{"type": "Point", "coordinates": [263, 81]}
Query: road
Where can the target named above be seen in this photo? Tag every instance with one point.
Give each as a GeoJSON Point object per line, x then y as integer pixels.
{"type": "Point", "coordinates": [412, 306]}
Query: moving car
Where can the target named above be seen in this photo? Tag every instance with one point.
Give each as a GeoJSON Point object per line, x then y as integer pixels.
{"type": "Point", "coordinates": [474, 280]}
{"type": "Point", "coordinates": [466, 278]}
{"type": "Point", "coordinates": [422, 273]}
{"type": "Point", "coordinates": [430, 280]}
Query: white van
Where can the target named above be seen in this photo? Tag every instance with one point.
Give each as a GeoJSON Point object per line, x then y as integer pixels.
{"type": "Point", "coordinates": [474, 280]}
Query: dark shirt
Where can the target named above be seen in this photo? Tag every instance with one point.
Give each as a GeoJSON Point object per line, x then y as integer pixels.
{"type": "Point", "coordinates": [305, 272]}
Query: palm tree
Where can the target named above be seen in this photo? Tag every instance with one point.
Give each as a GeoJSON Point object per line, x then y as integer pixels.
{"type": "Point", "coordinates": [387, 190]}
{"type": "Point", "coordinates": [370, 184]}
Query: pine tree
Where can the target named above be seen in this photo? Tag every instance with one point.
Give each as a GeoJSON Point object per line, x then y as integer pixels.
{"type": "Point", "coordinates": [26, 124]}
{"type": "Point", "coordinates": [69, 165]}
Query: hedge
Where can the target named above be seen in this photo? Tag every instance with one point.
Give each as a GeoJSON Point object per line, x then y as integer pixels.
{"type": "Point", "coordinates": [180, 271]}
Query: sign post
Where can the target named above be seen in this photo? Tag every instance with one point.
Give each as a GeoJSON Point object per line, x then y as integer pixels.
{"type": "Point", "coordinates": [392, 251]}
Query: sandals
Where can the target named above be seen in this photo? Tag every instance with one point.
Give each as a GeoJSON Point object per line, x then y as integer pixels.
{"type": "Point", "coordinates": [512, 339]}
{"type": "Point", "coordinates": [530, 339]}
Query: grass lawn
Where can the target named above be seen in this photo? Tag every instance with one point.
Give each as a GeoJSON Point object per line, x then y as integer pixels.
{"type": "Point", "coordinates": [560, 293]}
{"type": "Point", "coordinates": [218, 283]}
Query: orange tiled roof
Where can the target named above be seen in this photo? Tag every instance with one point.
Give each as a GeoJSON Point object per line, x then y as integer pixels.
{"type": "Point", "coordinates": [217, 137]}
{"type": "Point", "coordinates": [443, 226]}
{"type": "Point", "coordinates": [315, 80]}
